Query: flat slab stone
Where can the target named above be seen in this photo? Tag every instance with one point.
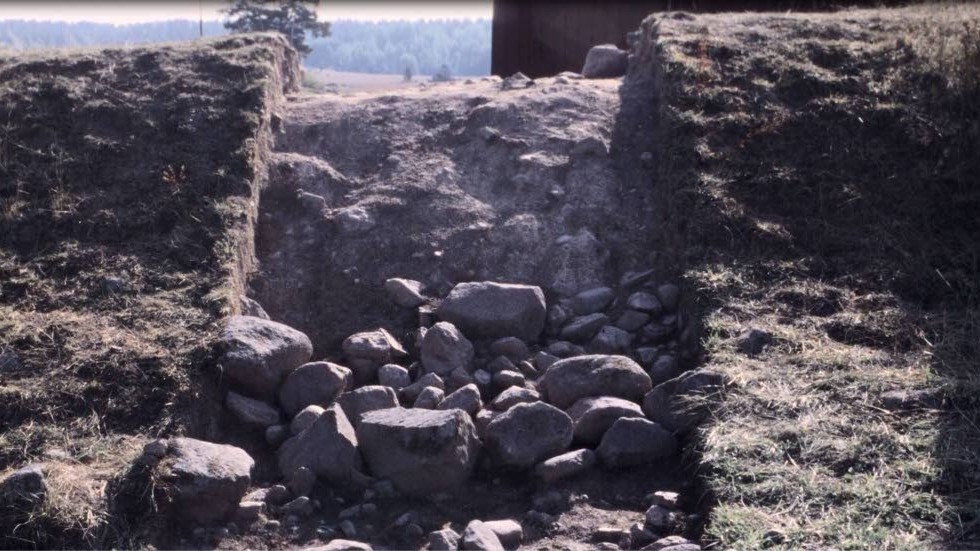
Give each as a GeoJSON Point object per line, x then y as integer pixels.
{"type": "Point", "coordinates": [422, 452]}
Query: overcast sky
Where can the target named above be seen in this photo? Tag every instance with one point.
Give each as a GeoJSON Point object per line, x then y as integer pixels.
{"type": "Point", "coordinates": [136, 12]}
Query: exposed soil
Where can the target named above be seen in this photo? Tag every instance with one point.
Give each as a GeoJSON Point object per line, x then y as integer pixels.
{"type": "Point", "coordinates": [461, 182]}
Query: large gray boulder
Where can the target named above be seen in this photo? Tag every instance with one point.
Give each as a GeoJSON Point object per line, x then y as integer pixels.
{"type": "Point", "coordinates": [479, 537]}
{"type": "Point", "coordinates": [200, 481]}
{"type": "Point", "coordinates": [491, 310]}
{"type": "Point", "coordinates": [315, 383]}
{"type": "Point", "coordinates": [422, 452]}
{"type": "Point", "coordinates": [256, 354]}
{"type": "Point", "coordinates": [670, 403]}
{"type": "Point", "coordinates": [605, 61]}
{"type": "Point", "coordinates": [367, 398]}
{"type": "Point", "coordinates": [328, 448]}
{"type": "Point", "coordinates": [593, 416]}
{"type": "Point", "coordinates": [526, 434]}
{"type": "Point", "coordinates": [568, 380]}
{"type": "Point", "coordinates": [631, 442]}
{"type": "Point", "coordinates": [444, 348]}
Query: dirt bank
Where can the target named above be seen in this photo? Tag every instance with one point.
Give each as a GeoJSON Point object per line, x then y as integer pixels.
{"type": "Point", "coordinates": [128, 187]}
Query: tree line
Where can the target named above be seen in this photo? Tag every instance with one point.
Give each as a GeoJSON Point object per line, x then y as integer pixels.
{"type": "Point", "coordinates": [423, 47]}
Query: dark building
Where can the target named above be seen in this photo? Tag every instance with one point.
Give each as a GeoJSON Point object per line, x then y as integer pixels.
{"type": "Point", "coordinates": [542, 38]}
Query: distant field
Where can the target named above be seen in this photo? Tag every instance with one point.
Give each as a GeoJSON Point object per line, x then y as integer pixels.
{"type": "Point", "coordinates": [340, 81]}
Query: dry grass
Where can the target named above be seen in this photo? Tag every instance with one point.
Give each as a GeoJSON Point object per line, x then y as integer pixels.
{"type": "Point", "coordinates": [819, 182]}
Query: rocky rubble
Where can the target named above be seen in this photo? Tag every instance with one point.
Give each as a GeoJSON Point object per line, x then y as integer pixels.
{"type": "Point", "coordinates": [501, 381]}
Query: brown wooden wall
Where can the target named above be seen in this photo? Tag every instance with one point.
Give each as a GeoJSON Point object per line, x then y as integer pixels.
{"type": "Point", "coordinates": [541, 37]}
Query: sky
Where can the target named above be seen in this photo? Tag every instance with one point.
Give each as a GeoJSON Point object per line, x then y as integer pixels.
{"type": "Point", "coordinates": [121, 13]}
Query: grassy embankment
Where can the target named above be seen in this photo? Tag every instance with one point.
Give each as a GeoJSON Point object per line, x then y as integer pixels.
{"type": "Point", "coordinates": [821, 181]}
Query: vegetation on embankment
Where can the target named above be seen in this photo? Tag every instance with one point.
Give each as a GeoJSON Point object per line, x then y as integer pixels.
{"type": "Point", "coordinates": [128, 183]}
{"type": "Point", "coordinates": [819, 176]}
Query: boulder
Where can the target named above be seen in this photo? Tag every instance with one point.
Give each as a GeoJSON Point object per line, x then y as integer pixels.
{"type": "Point", "coordinates": [406, 293]}
{"type": "Point", "coordinates": [394, 376]}
{"type": "Point", "coordinates": [422, 452]}
{"type": "Point", "coordinates": [200, 481]}
{"type": "Point", "coordinates": [544, 360]}
{"type": "Point", "coordinates": [318, 383]}
{"type": "Point", "coordinates": [753, 341]}
{"type": "Point", "coordinates": [251, 412]}
{"type": "Point", "coordinates": [328, 448]}
{"type": "Point", "coordinates": [506, 379]}
{"type": "Point", "coordinates": [592, 300]}
{"type": "Point", "coordinates": [513, 348]}
{"type": "Point", "coordinates": [564, 349]}
{"type": "Point", "coordinates": [656, 333]}
{"type": "Point", "coordinates": [256, 354]}
{"type": "Point", "coordinates": [570, 379]}
{"type": "Point", "coordinates": [355, 220]}
{"type": "Point", "coordinates": [565, 465]}
{"type": "Point", "coordinates": [444, 540]}
{"type": "Point", "coordinates": [673, 543]}
{"type": "Point", "coordinates": [500, 363]}
{"type": "Point", "coordinates": [605, 61]}
{"type": "Point", "coordinates": [301, 481]}
{"type": "Point", "coordinates": [444, 348]}
{"type": "Point", "coordinates": [516, 81]}
{"type": "Point", "coordinates": [466, 398]}
{"type": "Point", "coordinates": [367, 398]}
{"type": "Point", "coordinates": [592, 416]}
{"type": "Point", "coordinates": [492, 310]}
{"type": "Point", "coordinates": [611, 340]}
{"type": "Point", "coordinates": [305, 418]}
{"type": "Point", "coordinates": [513, 396]}
{"type": "Point", "coordinates": [525, 434]}
{"type": "Point", "coordinates": [276, 435]}
{"type": "Point", "coordinates": [371, 349]}
{"type": "Point", "coordinates": [668, 403]}
{"type": "Point", "coordinates": [631, 320]}
{"type": "Point", "coordinates": [479, 537]}
{"type": "Point", "coordinates": [252, 308]}
{"type": "Point", "coordinates": [669, 296]}
{"type": "Point", "coordinates": [576, 263]}
{"type": "Point", "coordinates": [429, 398]}
{"type": "Point", "coordinates": [411, 393]}
{"type": "Point", "coordinates": [481, 420]}
{"type": "Point", "coordinates": [660, 519]}
{"type": "Point", "coordinates": [341, 545]}
{"type": "Point", "coordinates": [632, 442]}
{"type": "Point", "coordinates": [509, 532]}
{"type": "Point", "coordinates": [664, 368]}
{"type": "Point", "coordinates": [23, 490]}
{"type": "Point", "coordinates": [641, 301]}
{"type": "Point", "coordinates": [583, 328]}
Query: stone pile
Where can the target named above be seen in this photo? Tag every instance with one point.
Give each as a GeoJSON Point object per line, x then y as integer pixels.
{"type": "Point", "coordinates": [495, 379]}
